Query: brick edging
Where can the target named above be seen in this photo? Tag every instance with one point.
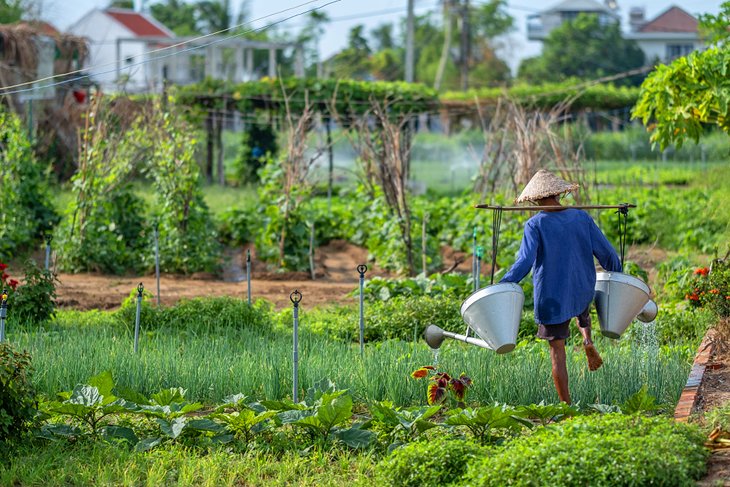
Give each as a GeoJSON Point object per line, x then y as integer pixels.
{"type": "Point", "coordinates": [688, 398]}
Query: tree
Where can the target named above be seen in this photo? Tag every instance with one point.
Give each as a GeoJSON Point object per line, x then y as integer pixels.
{"type": "Point", "coordinates": [582, 48]}
{"type": "Point", "coordinates": [129, 4]}
{"type": "Point", "coordinates": [353, 62]}
{"type": "Point", "coordinates": [12, 10]}
{"type": "Point", "coordinates": [178, 16]}
{"type": "Point", "coordinates": [679, 100]}
{"type": "Point", "coordinates": [310, 37]}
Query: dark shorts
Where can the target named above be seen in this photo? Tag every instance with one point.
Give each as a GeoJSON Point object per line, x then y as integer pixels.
{"type": "Point", "coordinates": [561, 331]}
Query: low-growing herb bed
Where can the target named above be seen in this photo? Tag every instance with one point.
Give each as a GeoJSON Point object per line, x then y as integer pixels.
{"type": "Point", "coordinates": [213, 362]}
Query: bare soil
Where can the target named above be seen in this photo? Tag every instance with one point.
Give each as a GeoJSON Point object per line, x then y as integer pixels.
{"type": "Point", "coordinates": [335, 278]}
{"type": "Point", "coordinates": [715, 392]}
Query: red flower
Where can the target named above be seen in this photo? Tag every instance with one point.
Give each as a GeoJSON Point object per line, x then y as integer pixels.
{"type": "Point", "coordinates": [3, 266]}
{"type": "Point", "coordinates": [692, 297]}
{"type": "Point", "coordinates": [13, 284]}
{"type": "Point", "coordinates": [702, 271]}
{"type": "Point", "coordinates": [4, 277]}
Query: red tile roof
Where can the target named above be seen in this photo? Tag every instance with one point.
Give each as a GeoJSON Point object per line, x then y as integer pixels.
{"type": "Point", "coordinates": [139, 24]}
{"type": "Point", "coordinates": [672, 20]}
{"type": "Point", "coordinates": [43, 27]}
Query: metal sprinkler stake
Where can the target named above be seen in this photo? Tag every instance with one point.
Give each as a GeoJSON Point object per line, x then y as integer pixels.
{"type": "Point", "coordinates": [3, 313]}
{"type": "Point", "coordinates": [48, 251]}
{"type": "Point", "coordinates": [478, 275]}
{"type": "Point", "coordinates": [157, 260]}
{"type": "Point", "coordinates": [362, 269]}
{"type": "Point", "coordinates": [295, 298]}
{"type": "Point", "coordinates": [140, 290]}
{"type": "Point", "coordinates": [248, 275]}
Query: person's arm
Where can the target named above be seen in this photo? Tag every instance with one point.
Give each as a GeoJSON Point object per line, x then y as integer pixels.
{"type": "Point", "coordinates": [603, 250]}
{"type": "Point", "coordinates": [525, 257]}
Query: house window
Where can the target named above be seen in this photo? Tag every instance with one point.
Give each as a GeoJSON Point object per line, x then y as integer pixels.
{"type": "Point", "coordinates": [197, 67]}
{"type": "Point", "coordinates": [569, 15]}
{"type": "Point", "coordinates": [678, 50]}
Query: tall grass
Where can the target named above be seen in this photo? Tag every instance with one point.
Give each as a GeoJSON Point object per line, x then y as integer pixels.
{"type": "Point", "coordinates": [214, 365]}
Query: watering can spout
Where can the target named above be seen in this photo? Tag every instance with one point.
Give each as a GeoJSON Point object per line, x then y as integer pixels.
{"type": "Point", "coordinates": [435, 336]}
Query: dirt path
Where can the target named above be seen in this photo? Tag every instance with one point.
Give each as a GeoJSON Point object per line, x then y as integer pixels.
{"type": "Point", "coordinates": [335, 278]}
{"type": "Point", "coordinates": [715, 392]}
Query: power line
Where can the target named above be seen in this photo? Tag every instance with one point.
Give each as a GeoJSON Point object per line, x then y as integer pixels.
{"type": "Point", "coordinates": [4, 90]}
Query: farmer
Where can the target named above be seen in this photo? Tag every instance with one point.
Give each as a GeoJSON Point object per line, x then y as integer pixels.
{"type": "Point", "coordinates": [559, 245]}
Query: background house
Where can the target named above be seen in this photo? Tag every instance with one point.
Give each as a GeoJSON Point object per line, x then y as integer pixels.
{"type": "Point", "coordinates": [541, 24]}
{"type": "Point", "coordinates": [671, 34]}
{"type": "Point", "coordinates": [123, 45]}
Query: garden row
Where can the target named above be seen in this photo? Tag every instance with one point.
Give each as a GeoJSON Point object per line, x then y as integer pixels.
{"type": "Point", "coordinates": [423, 445]}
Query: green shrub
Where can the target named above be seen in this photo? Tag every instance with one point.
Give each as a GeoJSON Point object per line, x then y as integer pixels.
{"type": "Point", "coordinates": [27, 212]}
{"type": "Point", "coordinates": [606, 450]}
{"type": "Point", "coordinates": [402, 318]}
{"type": "Point", "coordinates": [17, 395]}
{"type": "Point", "coordinates": [34, 301]}
{"type": "Point", "coordinates": [436, 462]}
{"type": "Point", "coordinates": [197, 315]}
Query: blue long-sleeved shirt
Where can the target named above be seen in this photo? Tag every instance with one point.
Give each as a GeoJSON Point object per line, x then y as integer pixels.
{"type": "Point", "coordinates": [559, 247]}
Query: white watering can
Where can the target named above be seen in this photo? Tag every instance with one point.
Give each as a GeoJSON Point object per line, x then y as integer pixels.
{"type": "Point", "coordinates": [619, 299]}
{"type": "Point", "coordinates": [493, 313]}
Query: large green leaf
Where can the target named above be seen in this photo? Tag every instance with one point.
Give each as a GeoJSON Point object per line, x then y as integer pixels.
{"type": "Point", "coordinates": [147, 444]}
{"type": "Point", "coordinates": [336, 409]}
{"type": "Point", "coordinates": [294, 415]}
{"type": "Point", "coordinates": [131, 395]}
{"type": "Point", "coordinates": [314, 393]}
{"type": "Point", "coordinates": [640, 402]}
{"type": "Point", "coordinates": [86, 396]}
{"type": "Point", "coordinates": [120, 433]}
{"type": "Point", "coordinates": [54, 431]}
{"type": "Point", "coordinates": [173, 428]}
{"type": "Point", "coordinates": [168, 396]}
{"type": "Point", "coordinates": [205, 424]}
{"type": "Point", "coordinates": [355, 438]}
{"type": "Point", "coordinates": [104, 383]}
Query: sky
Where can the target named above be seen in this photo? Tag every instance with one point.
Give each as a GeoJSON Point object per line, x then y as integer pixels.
{"type": "Point", "coordinates": [348, 13]}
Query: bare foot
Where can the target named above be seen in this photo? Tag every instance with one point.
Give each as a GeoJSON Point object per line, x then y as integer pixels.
{"type": "Point", "coordinates": [594, 358]}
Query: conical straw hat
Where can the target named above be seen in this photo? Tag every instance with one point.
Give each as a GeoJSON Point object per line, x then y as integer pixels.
{"type": "Point", "coordinates": [544, 184]}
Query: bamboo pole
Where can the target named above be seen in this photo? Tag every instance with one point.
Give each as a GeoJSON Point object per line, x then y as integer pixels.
{"type": "Point", "coordinates": [555, 207]}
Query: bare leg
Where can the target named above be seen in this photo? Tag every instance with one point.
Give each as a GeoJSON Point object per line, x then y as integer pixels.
{"type": "Point", "coordinates": [560, 369]}
{"type": "Point", "coordinates": [594, 358]}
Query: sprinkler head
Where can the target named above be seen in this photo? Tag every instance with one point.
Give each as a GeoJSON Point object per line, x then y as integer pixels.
{"type": "Point", "coordinates": [434, 336]}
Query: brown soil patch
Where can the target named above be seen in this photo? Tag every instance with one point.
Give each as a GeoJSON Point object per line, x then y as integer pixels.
{"type": "Point", "coordinates": [715, 392]}
{"type": "Point", "coordinates": [335, 278]}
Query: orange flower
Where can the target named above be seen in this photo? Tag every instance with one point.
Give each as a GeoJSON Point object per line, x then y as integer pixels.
{"type": "Point", "coordinates": [702, 271]}
{"type": "Point", "coordinates": [714, 291]}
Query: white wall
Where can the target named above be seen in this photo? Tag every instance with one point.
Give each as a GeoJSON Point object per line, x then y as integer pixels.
{"type": "Point", "coordinates": [102, 32]}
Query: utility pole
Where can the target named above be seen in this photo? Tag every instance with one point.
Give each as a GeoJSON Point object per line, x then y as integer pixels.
{"type": "Point", "coordinates": [409, 42]}
{"type": "Point", "coordinates": [465, 45]}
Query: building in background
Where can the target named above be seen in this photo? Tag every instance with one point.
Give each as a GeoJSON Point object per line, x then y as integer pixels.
{"type": "Point", "coordinates": [540, 25]}
{"type": "Point", "coordinates": [131, 51]}
{"type": "Point", "coordinates": [671, 34]}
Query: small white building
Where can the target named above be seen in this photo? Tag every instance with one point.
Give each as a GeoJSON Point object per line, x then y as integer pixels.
{"type": "Point", "coordinates": [671, 34]}
{"type": "Point", "coordinates": [114, 64]}
{"type": "Point", "coordinates": [541, 24]}
{"type": "Point", "coordinates": [132, 51]}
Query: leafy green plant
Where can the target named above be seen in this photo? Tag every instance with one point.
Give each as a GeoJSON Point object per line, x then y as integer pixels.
{"type": "Point", "coordinates": [89, 405]}
{"type": "Point", "coordinates": [326, 413]}
{"type": "Point", "coordinates": [17, 394]}
{"type": "Point", "coordinates": [434, 462]}
{"type": "Point", "coordinates": [397, 426]}
{"type": "Point", "coordinates": [598, 450]}
{"type": "Point", "coordinates": [485, 422]}
{"type": "Point", "coordinates": [547, 413]}
{"type": "Point", "coordinates": [246, 421]}
{"type": "Point", "coordinates": [640, 402]}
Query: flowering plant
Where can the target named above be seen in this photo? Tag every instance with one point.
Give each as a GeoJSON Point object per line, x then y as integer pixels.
{"type": "Point", "coordinates": [5, 281]}
{"type": "Point", "coordinates": [710, 287]}
{"type": "Point", "coordinates": [442, 383]}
